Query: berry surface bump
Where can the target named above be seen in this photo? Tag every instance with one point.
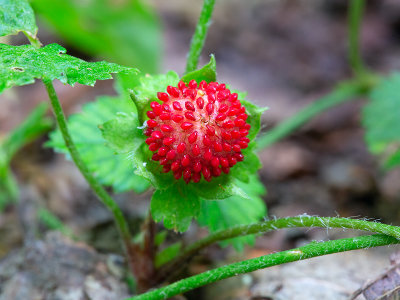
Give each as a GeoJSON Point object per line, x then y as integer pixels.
{"type": "Point", "coordinates": [198, 130]}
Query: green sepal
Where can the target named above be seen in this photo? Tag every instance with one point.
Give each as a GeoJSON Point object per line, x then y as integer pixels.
{"type": "Point", "coordinates": [254, 112]}
{"type": "Point", "coordinates": [16, 16]}
{"type": "Point", "coordinates": [176, 206]}
{"type": "Point", "coordinates": [122, 133]}
{"type": "Point", "coordinates": [249, 166]}
{"type": "Point", "coordinates": [207, 73]}
{"type": "Point", "coordinates": [149, 169]}
{"type": "Point", "coordinates": [218, 188]}
{"type": "Point", "coordinates": [21, 65]}
{"type": "Point", "coordinates": [147, 91]}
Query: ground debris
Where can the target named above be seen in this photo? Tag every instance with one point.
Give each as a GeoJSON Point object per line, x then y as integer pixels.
{"type": "Point", "coordinates": [386, 286]}
{"type": "Point", "coordinates": [58, 268]}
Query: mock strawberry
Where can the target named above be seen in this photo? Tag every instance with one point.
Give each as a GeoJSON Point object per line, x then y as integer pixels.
{"type": "Point", "coordinates": [198, 130]}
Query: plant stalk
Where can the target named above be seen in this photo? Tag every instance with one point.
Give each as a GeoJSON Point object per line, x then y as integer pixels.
{"type": "Point", "coordinates": [96, 187]}
{"type": "Point", "coordinates": [355, 15]}
{"type": "Point", "coordinates": [313, 249]}
{"type": "Point", "coordinates": [199, 35]}
{"type": "Point", "coordinates": [263, 227]}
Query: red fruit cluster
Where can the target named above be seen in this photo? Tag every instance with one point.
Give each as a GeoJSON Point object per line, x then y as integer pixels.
{"type": "Point", "coordinates": [199, 129]}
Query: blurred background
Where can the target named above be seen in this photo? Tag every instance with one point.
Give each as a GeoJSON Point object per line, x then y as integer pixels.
{"type": "Point", "coordinates": [285, 54]}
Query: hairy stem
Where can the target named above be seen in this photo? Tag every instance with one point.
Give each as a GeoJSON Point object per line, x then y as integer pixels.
{"type": "Point", "coordinates": [258, 228]}
{"type": "Point", "coordinates": [96, 187]}
{"type": "Point", "coordinates": [355, 14]}
{"type": "Point", "coordinates": [311, 250]}
{"type": "Point", "coordinates": [342, 93]}
{"type": "Point", "coordinates": [199, 35]}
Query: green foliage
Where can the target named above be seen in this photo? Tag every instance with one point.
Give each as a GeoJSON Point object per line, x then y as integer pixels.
{"type": "Point", "coordinates": [147, 90]}
{"type": "Point", "coordinates": [235, 210]}
{"type": "Point", "coordinates": [34, 125]}
{"type": "Point", "coordinates": [382, 122]}
{"type": "Point", "coordinates": [52, 222]}
{"type": "Point", "coordinates": [16, 16]}
{"type": "Point", "coordinates": [127, 32]}
{"type": "Point", "coordinates": [167, 254]}
{"type": "Point", "coordinates": [207, 73]}
{"type": "Point", "coordinates": [21, 65]}
{"type": "Point", "coordinates": [109, 169]}
{"type": "Point", "coordinates": [175, 213]}
{"type": "Point", "coordinates": [176, 206]}
{"type": "Point", "coordinates": [129, 136]}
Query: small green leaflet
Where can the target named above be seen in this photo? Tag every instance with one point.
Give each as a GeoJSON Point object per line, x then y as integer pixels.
{"type": "Point", "coordinates": [176, 206]}
{"type": "Point", "coordinates": [381, 119]}
{"type": "Point", "coordinates": [232, 211]}
{"type": "Point", "coordinates": [109, 168]}
{"type": "Point", "coordinates": [207, 73]}
{"type": "Point", "coordinates": [21, 65]}
{"type": "Point", "coordinates": [148, 88]}
{"type": "Point", "coordinates": [16, 16]}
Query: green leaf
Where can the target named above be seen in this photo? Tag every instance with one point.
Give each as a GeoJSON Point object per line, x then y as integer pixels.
{"type": "Point", "coordinates": [224, 214]}
{"type": "Point", "coordinates": [168, 254]}
{"type": "Point", "coordinates": [176, 206]}
{"type": "Point", "coordinates": [148, 88]}
{"type": "Point", "coordinates": [218, 188]}
{"type": "Point", "coordinates": [127, 32]}
{"type": "Point", "coordinates": [21, 65]}
{"type": "Point", "coordinates": [110, 169]}
{"type": "Point", "coordinates": [381, 120]}
{"type": "Point", "coordinates": [207, 73]}
{"type": "Point", "coordinates": [52, 222]}
{"type": "Point", "coordinates": [122, 133]}
{"type": "Point", "coordinates": [254, 112]}
{"type": "Point", "coordinates": [16, 16]}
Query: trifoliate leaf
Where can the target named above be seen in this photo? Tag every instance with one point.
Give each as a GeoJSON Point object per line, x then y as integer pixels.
{"type": "Point", "coordinates": [176, 206]}
{"type": "Point", "coordinates": [207, 73]}
{"type": "Point", "coordinates": [21, 65]}
{"type": "Point", "coordinates": [148, 88]}
{"type": "Point", "coordinates": [381, 119]}
{"type": "Point", "coordinates": [16, 16]}
{"type": "Point", "coordinates": [125, 32]}
{"type": "Point", "coordinates": [224, 214]}
{"type": "Point", "coordinates": [109, 168]}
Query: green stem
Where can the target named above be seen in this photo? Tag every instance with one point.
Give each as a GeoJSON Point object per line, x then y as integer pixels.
{"type": "Point", "coordinates": [342, 93]}
{"type": "Point", "coordinates": [97, 188]}
{"type": "Point", "coordinates": [311, 250]}
{"type": "Point", "coordinates": [291, 222]}
{"type": "Point", "coordinates": [33, 40]}
{"type": "Point", "coordinates": [355, 14]}
{"type": "Point", "coordinates": [199, 35]}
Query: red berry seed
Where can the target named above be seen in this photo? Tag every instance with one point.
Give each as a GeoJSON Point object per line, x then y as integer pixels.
{"type": "Point", "coordinates": [199, 130]}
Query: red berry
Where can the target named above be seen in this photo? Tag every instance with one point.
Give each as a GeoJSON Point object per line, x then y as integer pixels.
{"type": "Point", "coordinates": [199, 130]}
